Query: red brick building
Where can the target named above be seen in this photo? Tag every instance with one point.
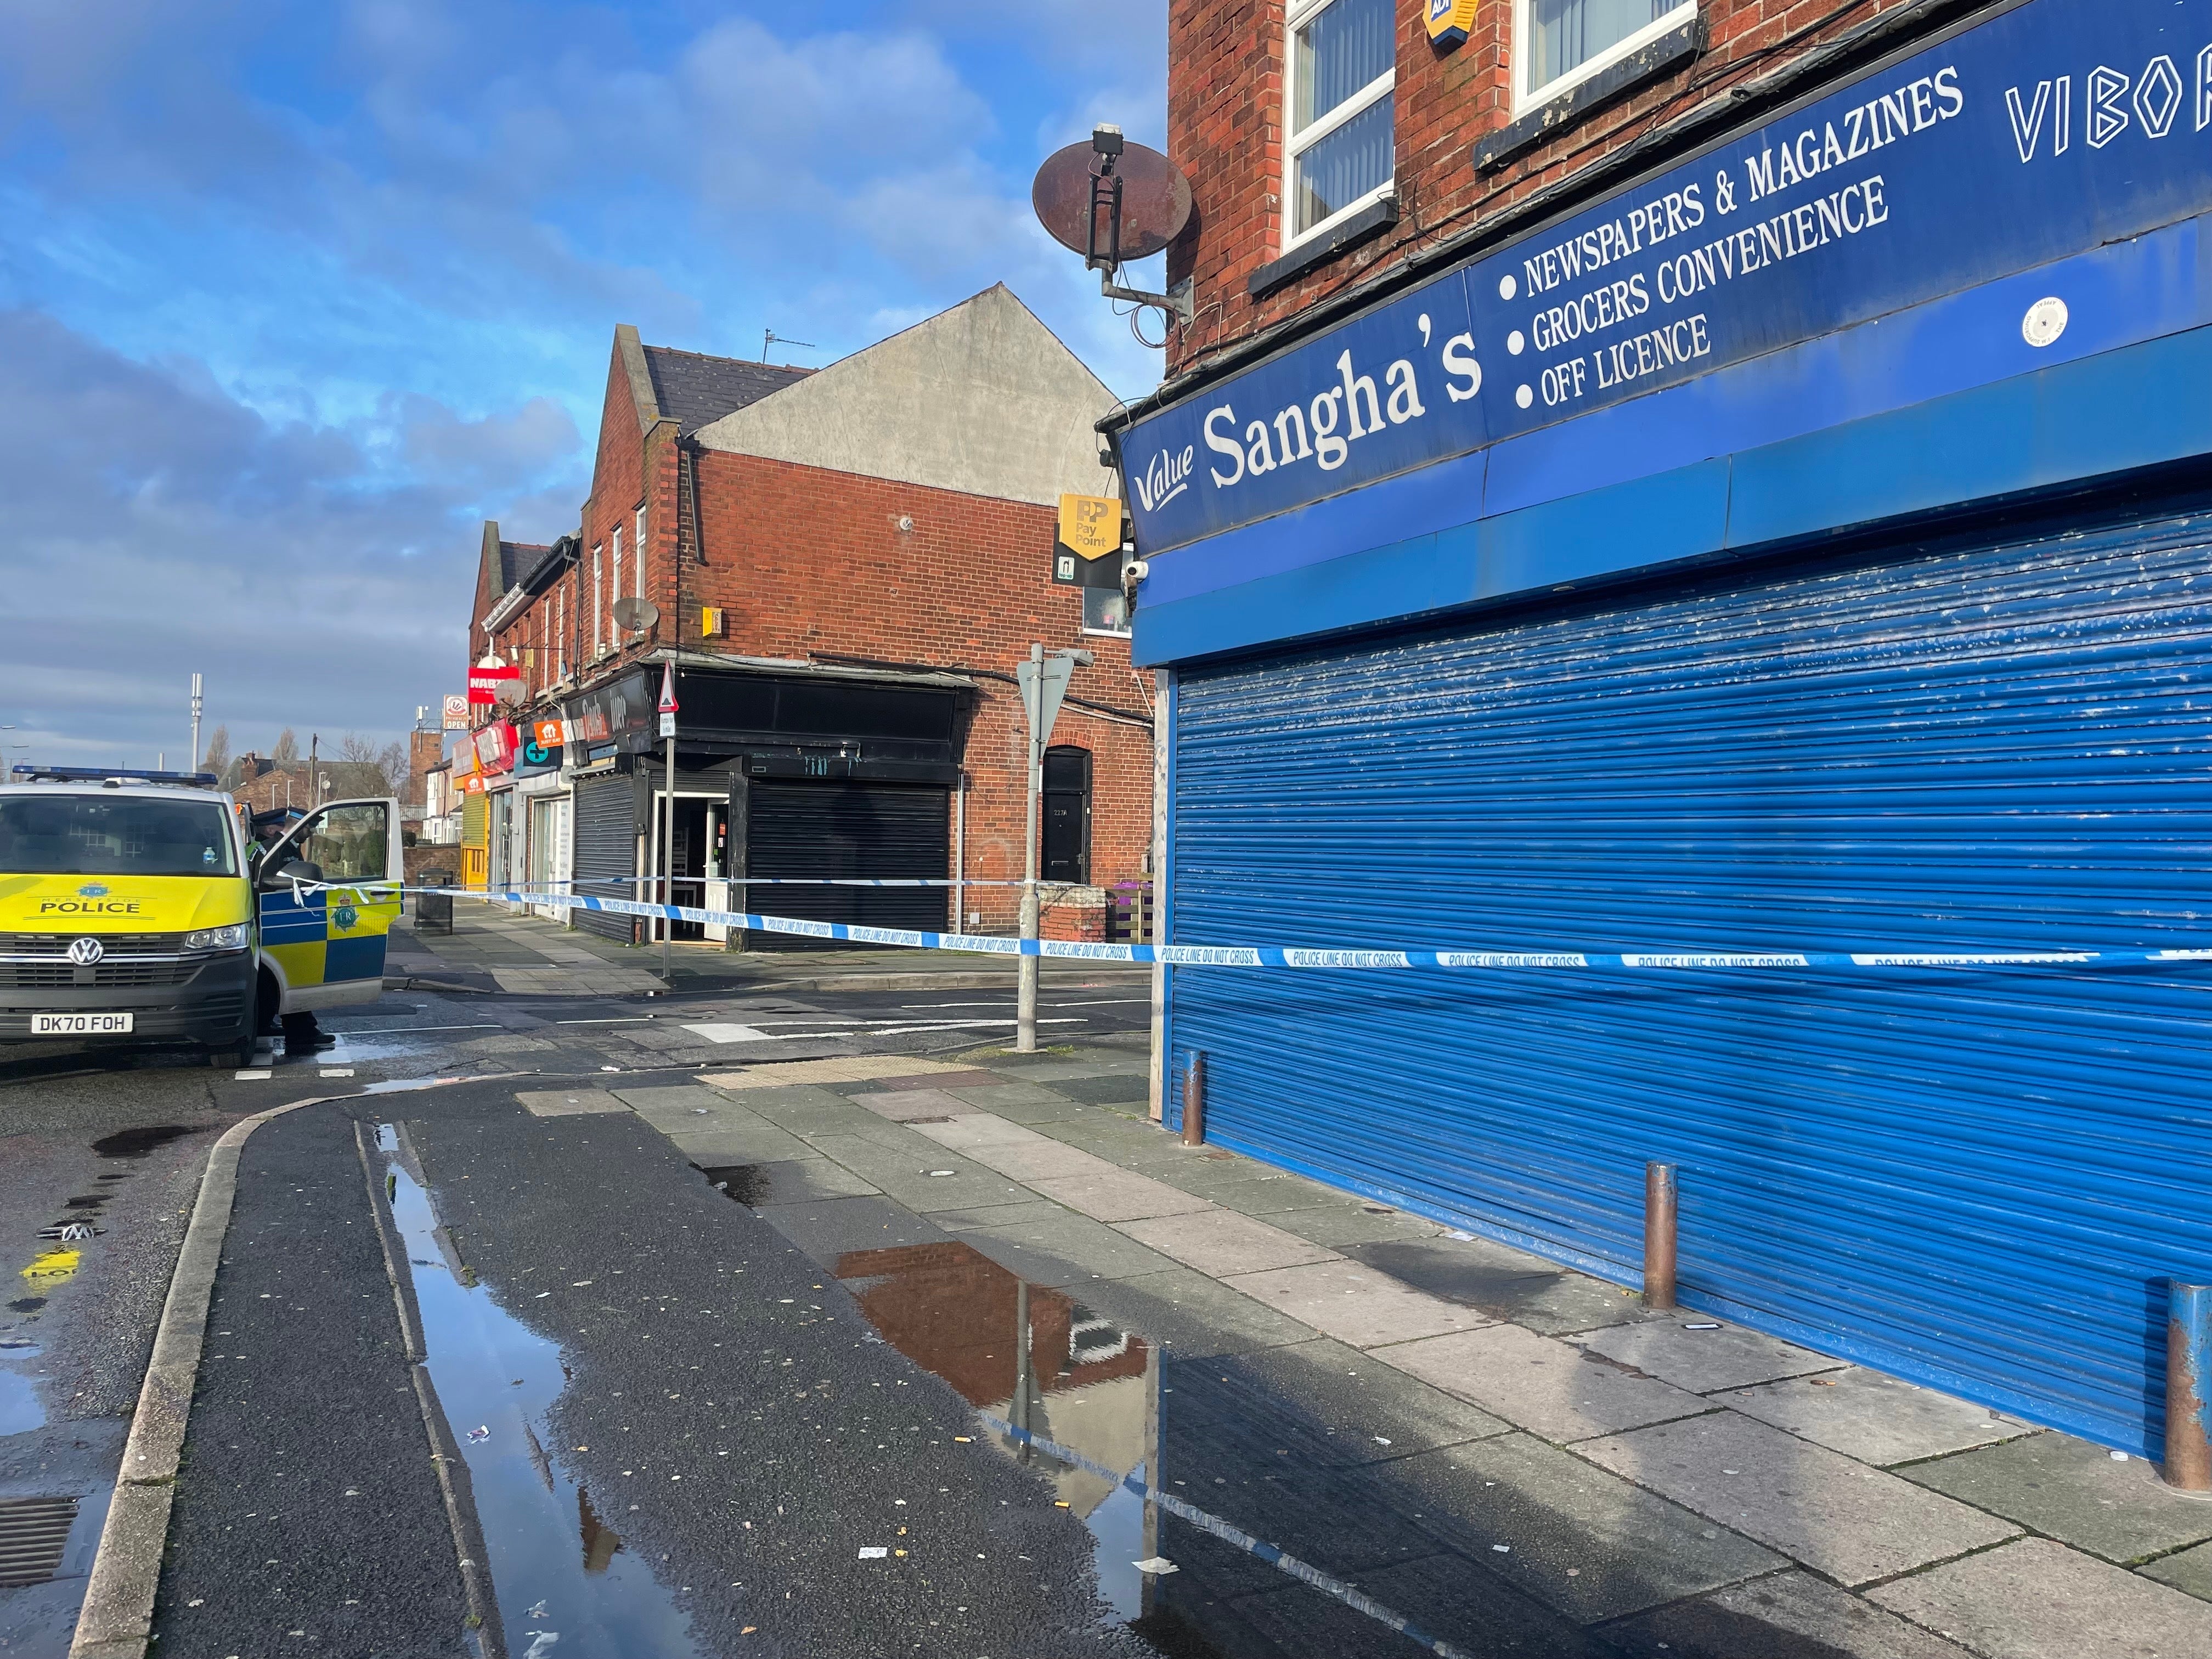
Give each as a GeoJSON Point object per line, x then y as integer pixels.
{"type": "Point", "coordinates": [844, 566]}
{"type": "Point", "coordinates": [1411, 144]}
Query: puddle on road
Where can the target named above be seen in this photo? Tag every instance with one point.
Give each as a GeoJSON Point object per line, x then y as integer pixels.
{"type": "Point", "coordinates": [1039, 1359]}
{"type": "Point", "coordinates": [19, 1409]}
{"type": "Point", "coordinates": [562, 1580]}
{"type": "Point", "coordinates": [138, 1143]}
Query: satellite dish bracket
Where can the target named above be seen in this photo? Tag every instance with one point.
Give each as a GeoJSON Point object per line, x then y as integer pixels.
{"type": "Point", "coordinates": [1133, 201]}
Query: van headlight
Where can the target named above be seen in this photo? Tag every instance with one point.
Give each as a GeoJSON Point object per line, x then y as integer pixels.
{"type": "Point", "coordinates": [233, 937]}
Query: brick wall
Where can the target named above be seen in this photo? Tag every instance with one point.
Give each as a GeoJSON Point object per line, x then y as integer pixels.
{"type": "Point", "coordinates": [1225, 131]}
{"type": "Point", "coordinates": [810, 564]}
{"type": "Point", "coordinates": [814, 564]}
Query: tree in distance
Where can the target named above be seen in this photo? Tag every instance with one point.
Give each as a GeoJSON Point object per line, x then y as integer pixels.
{"type": "Point", "coordinates": [217, 759]}
{"type": "Point", "coordinates": [288, 746]}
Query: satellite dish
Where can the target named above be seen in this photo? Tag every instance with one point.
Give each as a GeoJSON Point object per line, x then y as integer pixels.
{"type": "Point", "coordinates": [635, 616]}
{"type": "Point", "coordinates": [1078, 190]}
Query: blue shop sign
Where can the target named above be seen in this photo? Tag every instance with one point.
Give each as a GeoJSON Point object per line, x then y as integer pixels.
{"type": "Point", "coordinates": [2055, 126]}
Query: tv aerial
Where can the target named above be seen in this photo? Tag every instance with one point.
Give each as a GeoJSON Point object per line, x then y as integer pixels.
{"type": "Point", "coordinates": [1112, 202]}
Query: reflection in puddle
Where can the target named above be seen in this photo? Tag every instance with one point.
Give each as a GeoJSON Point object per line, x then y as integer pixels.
{"type": "Point", "coordinates": [559, 1573]}
{"type": "Point", "coordinates": [20, 1410]}
{"type": "Point", "coordinates": [1037, 1358]}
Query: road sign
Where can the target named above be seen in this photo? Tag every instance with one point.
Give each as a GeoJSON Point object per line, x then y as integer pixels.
{"type": "Point", "coordinates": [1041, 700]}
{"type": "Point", "coordinates": [667, 695]}
{"type": "Point", "coordinates": [668, 726]}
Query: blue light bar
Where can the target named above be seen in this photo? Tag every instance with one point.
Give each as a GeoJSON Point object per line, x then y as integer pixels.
{"type": "Point", "coordinates": [120, 775]}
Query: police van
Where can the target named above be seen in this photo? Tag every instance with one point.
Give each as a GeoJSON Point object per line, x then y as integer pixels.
{"type": "Point", "coordinates": [137, 905]}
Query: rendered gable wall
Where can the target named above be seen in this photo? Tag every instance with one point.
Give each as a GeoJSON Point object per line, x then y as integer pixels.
{"type": "Point", "coordinates": [982, 399]}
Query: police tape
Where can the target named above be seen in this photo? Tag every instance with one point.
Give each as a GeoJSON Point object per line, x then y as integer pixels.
{"type": "Point", "coordinates": [1264, 956]}
{"type": "Point", "coordinates": [1273, 1554]}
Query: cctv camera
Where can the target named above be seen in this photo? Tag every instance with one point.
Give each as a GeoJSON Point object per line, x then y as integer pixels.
{"type": "Point", "coordinates": [1135, 571]}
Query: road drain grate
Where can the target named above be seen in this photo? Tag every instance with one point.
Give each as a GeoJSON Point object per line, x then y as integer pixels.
{"type": "Point", "coordinates": [34, 1532]}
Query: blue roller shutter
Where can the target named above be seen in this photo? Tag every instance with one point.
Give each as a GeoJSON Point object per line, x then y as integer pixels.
{"type": "Point", "coordinates": [1979, 1180]}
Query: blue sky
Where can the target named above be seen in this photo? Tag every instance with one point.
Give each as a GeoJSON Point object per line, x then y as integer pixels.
{"type": "Point", "coordinates": [292, 297]}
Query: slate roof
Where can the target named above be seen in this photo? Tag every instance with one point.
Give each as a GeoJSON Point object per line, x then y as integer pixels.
{"type": "Point", "coordinates": [517, 559]}
{"type": "Point", "coordinates": [697, 389]}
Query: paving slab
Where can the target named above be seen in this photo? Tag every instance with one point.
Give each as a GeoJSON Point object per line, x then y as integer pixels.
{"type": "Point", "coordinates": [1060, 1249]}
{"type": "Point", "coordinates": [2039, 1599]}
{"type": "Point", "coordinates": [982, 1129]}
{"type": "Point", "coordinates": [1500, 1282]}
{"type": "Point", "coordinates": [1700, 1361]}
{"type": "Point", "coordinates": [2189, 1570]}
{"type": "Point", "coordinates": [1355, 1408]}
{"type": "Point", "coordinates": [1116, 1088]}
{"type": "Point", "coordinates": [568, 1103]}
{"type": "Point", "coordinates": [1115, 1195]}
{"type": "Point", "coordinates": [797, 1181]}
{"type": "Point", "coordinates": [1042, 1160]}
{"type": "Point", "coordinates": [1540, 1383]}
{"type": "Point", "coordinates": [1354, 1304]}
{"type": "Point", "coordinates": [1577, 1538]}
{"type": "Point", "coordinates": [2073, 1492]}
{"type": "Point", "coordinates": [1340, 1224]}
{"type": "Point", "coordinates": [1010, 1097]}
{"type": "Point", "coordinates": [988, 1215]}
{"type": "Point", "coordinates": [1193, 1315]}
{"type": "Point", "coordinates": [905, 1175]}
{"type": "Point", "coordinates": [856, 1068]}
{"type": "Point", "coordinates": [1055, 1071]}
{"type": "Point", "coordinates": [827, 1229]}
{"type": "Point", "coordinates": [904, 1105]}
{"type": "Point", "coordinates": [1224, 1243]}
{"type": "Point", "coordinates": [1875, 1419]}
{"type": "Point", "coordinates": [1845, 1520]}
{"type": "Point", "coordinates": [674, 1096]}
{"type": "Point", "coordinates": [1784, 1615]}
{"type": "Point", "coordinates": [731, 1142]}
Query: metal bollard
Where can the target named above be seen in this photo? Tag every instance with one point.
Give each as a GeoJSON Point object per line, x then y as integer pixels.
{"type": "Point", "coordinates": [1658, 1235]}
{"type": "Point", "coordinates": [1194, 1101]}
{"type": "Point", "coordinates": [2189, 1386]}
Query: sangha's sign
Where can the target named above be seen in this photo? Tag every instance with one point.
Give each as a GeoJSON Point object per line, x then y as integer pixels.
{"type": "Point", "coordinates": [2056, 126]}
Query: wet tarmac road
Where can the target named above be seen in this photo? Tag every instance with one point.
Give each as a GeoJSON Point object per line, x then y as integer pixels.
{"type": "Point", "coordinates": [676, 1421]}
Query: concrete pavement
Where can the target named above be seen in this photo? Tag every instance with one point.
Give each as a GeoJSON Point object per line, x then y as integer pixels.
{"type": "Point", "coordinates": [1513, 1456]}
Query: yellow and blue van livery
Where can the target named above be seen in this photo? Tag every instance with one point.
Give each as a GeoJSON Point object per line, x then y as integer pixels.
{"type": "Point", "coordinates": [324, 933]}
{"type": "Point", "coordinates": [126, 910]}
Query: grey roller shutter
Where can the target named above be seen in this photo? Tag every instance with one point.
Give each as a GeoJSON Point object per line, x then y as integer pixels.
{"type": "Point", "coordinates": [1980, 1180]}
{"type": "Point", "coordinates": [798, 827]}
{"type": "Point", "coordinates": [606, 848]}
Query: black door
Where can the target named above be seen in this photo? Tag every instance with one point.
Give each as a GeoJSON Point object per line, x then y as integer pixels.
{"type": "Point", "coordinates": [874, 831]}
{"type": "Point", "coordinates": [1066, 853]}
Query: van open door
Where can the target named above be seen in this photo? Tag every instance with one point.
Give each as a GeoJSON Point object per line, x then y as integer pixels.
{"type": "Point", "coordinates": [324, 934]}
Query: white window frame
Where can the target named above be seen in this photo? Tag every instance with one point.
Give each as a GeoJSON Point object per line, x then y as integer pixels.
{"type": "Point", "coordinates": [598, 608]}
{"type": "Point", "coordinates": [1385, 85]}
{"type": "Point", "coordinates": [1085, 627]}
{"type": "Point", "coordinates": [615, 587]}
{"type": "Point", "coordinates": [1523, 31]}
{"type": "Point", "coordinates": [637, 550]}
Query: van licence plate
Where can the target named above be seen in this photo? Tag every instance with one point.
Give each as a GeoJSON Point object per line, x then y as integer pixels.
{"type": "Point", "coordinates": [80, 1024]}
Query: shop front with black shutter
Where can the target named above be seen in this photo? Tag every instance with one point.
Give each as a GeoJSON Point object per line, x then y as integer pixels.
{"type": "Point", "coordinates": [790, 773]}
{"type": "Point", "coordinates": [1661, 756]}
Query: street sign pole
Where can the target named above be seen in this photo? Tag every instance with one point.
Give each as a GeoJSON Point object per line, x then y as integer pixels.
{"type": "Point", "coordinates": [668, 834]}
{"type": "Point", "coordinates": [1026, 995]}
{"type": "Point", "coordinates": [1043, 681]}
